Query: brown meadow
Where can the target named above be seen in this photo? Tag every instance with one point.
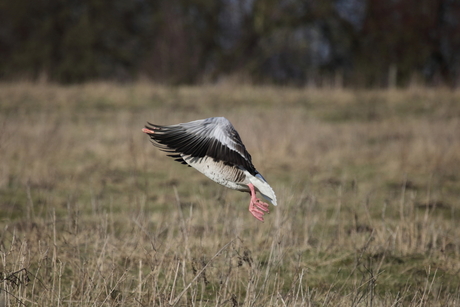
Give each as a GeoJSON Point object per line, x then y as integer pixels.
{"type": "Point", "coordinates": [91, 214]}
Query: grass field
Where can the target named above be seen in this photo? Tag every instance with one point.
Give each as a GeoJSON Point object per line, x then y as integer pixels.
{"type": "Point", "coordinates": [91, 214]}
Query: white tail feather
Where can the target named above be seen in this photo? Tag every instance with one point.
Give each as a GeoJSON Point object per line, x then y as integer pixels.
{"type": "Point", "coordinates": [263, 187]}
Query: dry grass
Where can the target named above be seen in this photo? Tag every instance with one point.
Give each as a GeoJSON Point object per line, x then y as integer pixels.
{"type": "Point", "coordinates": [91, 214]}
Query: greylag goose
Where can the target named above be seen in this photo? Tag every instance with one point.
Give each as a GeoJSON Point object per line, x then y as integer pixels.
{"type": "Point", "coordinates": [214, 148]}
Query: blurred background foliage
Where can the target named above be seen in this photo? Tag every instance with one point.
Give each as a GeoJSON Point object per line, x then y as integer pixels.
{"type": "Point", "coordinates": [353, 43]}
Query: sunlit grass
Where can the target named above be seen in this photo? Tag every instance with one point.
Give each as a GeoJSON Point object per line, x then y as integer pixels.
{"type": "Point", "coordinates": [367, 182]}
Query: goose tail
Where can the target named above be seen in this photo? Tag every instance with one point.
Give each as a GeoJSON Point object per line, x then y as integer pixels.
{"type": "Point", "coordinates": [264, 188]}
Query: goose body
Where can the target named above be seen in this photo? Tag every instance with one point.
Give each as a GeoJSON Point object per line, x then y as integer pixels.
{"type": "Point", "coordinates": [214, 148]}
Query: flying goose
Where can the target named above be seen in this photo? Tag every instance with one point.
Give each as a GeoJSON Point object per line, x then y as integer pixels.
{"type": "Point", "coordinates": [214, 148]}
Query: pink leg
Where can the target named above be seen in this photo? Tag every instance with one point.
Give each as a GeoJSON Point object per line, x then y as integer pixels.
{"type": "Point", "coordinates": [256, 206]}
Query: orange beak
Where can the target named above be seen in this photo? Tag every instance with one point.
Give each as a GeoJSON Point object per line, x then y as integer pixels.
{"type": "Point", "coordinates": [148, 131]}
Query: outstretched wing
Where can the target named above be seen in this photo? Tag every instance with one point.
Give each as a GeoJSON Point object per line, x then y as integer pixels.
{"type": "Point", "coordinates": [213, 137]}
